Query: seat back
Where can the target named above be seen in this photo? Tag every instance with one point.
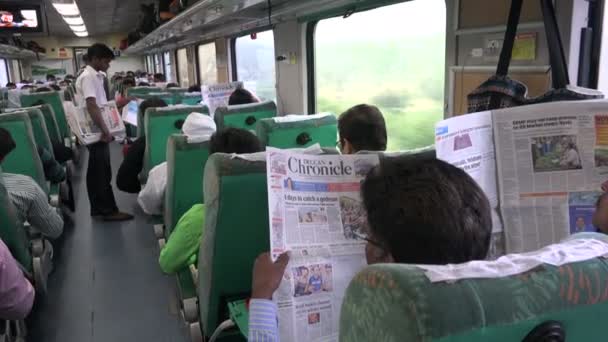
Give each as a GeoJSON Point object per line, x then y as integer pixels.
{"type": "Point", "coordinates": [185, 166]}
{"type": "Point", "coordinates": [296, 131]}
{"type": "Point", "coordinates": [24, 159]}
{"type": "Point", "coordinates": [11, 229]}
{"type": "Point", "coordinates": [51, 123]}
{"type": "Point", "coordinates": [41, 135]}
{"type": "Point", "coordinates": [398, 302]}
{"type": "Point", "coordinates": [191, 99]}
{"type": "Point", "coordinates": [244, 116]}
{"type": "Point", "coordinates": [177, 93]}
{"type": "Point", "coordinates": [165, 96]}
{"type": "Point", "coordinates": [159, 125]}
{"type": "Point", "coordinates": [54, 99]}
{"type": "Point", "coordinates": [236, 231]}
{"type": "Point", "coordinates": [138, 91]}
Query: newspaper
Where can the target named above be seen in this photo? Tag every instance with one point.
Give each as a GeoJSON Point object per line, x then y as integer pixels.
{"type": "Point", "coordinates": [86, 130]}
{"type": "Point", "coordinates": [550, 163]}
{"type": "Point", "coordinates": [217, 95]}
{"type": "Point", "coordinates": [467, 142]}
{"type": "Point", "coordinates": [316, 213]}
{"type": "Point", "coordinates": [552, 160]}
{"type": "Point", "coordinates": [130, 111]}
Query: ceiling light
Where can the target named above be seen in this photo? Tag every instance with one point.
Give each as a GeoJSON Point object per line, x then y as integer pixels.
{"type": "Point", "coordinates": [82, 34]}
{"type": "Point", "coordinates": [67, 9]}
{"type": "Point", "coordinates": [74, 21]}
{"type": "Point", "coordinates": [79, 28]}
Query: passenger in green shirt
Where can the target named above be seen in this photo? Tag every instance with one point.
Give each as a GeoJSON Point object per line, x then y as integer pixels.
{"type": "Point", "coordinates": [181, 250]}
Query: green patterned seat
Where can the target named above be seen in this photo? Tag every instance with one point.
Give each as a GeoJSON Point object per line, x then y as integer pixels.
{"type": "Point", "coordinates": [244, 116]}
{"type": "Point", "coordinates": [54, 99]}
{"type": "Point", "coordinates": [298, 131]}
{"type": "Point", "coordinates": [397, 302]}
{"type": "Point", "coordinates": [24, 159]}
{"type": "Point", "coordinates": [159, 125]}
{"type": "Point", "coordinates": [41, 135]}
{"type": "Point", "coordinates": [185, 166]}
{"type": "Point", "coordinates": [138, 91]}
{"type": "Point", "coordinates": [236, 231]}
{"type": "Point", "coordinates": [177, 93]}
{"type": "Point", "coordinates": [51, 123]}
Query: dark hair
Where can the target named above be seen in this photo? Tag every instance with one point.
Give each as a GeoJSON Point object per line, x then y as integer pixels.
{"type": "Point", "coordinates": [39, 82]}
{"type": "Point", "coordinates": [234, 140]}
{"type": "Point", "coordinates": [172, 85]}
{"type": "Point", "coordinates": [128, 81]}
{"type": "Point", "coordinates": [55, 87]}
{"type": "Point", "coordinates": [194, 89]}
{"type": "Point", "coordinates": [85, 58]}
{"type": "Point", "coordinates": [143, 84]}
{"type": "Point", "coordinates": [241, 96]}
{"type": "Point", "coordinates": [10, 84]}
{"type": "Point", "coordinates": [43, 89]}
{"type": "Point", "coordinates": [364, 127]}
{"type": "Point", "coordinates": [179, 123]}
{"type": "Point", "coordinates": [99, 51]}
{"type": "Point", "coordinates": [425, 211]}
{"type": "Point", "coordinates": [7, 144]}
{"type": "Point", "coordinates": [154, 102]}
{"type": "Point", "coordinates": [159, 78]}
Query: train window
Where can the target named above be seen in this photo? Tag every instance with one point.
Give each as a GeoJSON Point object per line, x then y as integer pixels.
{"type": "Point", "coordinates": [392, 57]}
{"type": "Point", "coordinates": [207, 64]}
{"type": "Point", "coordinates": [150, 64]}
{"type": "Point", "coordinates": [255, 64]}
{"type": "Point", "coordinates": [158, 67]}
{"type": "Point", "coordinates": [168, 66]}
{"type": "Point", "coordinates": [182, 67]}
{"type": "Point", "coordinates": [17, 73]}
{"type": "Point", "coordinates": [4, 77]}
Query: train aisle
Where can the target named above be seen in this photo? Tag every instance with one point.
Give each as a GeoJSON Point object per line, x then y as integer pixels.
{"type": "Point", "coordinates": [107, 285]}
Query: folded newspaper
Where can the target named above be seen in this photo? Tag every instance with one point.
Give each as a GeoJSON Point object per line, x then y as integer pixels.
{"type": "Point", "coordinates": [217, 95]}
{"type": "Point", "coordinates": [542, 166]}
{"type": "Point", "coordinates": [86, 130]}
{"type": "Point", "coordinates": [316, 213]}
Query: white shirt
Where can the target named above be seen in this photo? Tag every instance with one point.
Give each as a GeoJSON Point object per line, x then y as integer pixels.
{"type": "Point", "coordinates": [151, 198]}
{"type": "Point", "coordinates": [572, 158]}
{"type": "Point", "coordinates": [90, 84]}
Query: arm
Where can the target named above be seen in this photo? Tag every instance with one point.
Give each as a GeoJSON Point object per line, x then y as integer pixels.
{"type": "Point", "coordinates": [16, 292]}
{"type": "Point", "coordinates": [44, 217]}
{"type": "Point", "coordinates": [95, 113]}
{"type": "Point", "coordinates": [184, 241]}
{"type": "Point", "coordinates": [267, 275]}
{"type": "Point", "coordinates": [127, 178]}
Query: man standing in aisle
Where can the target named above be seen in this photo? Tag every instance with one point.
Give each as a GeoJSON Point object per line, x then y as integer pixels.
{"type": "Point", "coordinates": [99, 172]}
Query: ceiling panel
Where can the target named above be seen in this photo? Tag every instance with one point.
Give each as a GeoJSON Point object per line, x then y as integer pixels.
{"type": "Point", "coordinates": [100, 16]}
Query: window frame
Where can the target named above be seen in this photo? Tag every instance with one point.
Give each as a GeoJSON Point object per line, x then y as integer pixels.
{"type": "Point", "coordinates": [168, 75]}
{"type": "Point", "coordinates": [6, 70]}
{"type": "Point", "coordinates": [311, 66]}
{"type": "Point", "coordinates": [177, 67]}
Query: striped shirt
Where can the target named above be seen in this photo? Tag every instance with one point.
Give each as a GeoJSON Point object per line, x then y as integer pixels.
{"type": "Point", "coordinates": [263, 324]}
{"type": "Point", "coordinates": [32, 205]}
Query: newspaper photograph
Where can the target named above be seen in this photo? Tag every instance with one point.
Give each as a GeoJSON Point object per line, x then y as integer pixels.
{"type": "Point", "coordinates": [551, 166]}
{"type": "Point", "coordinates": [217, 95]}
{"type": "Point", "coordinates": [467, 142]}
{"type": "Point", "coordinates": [86, 130]}
{"type": "Point", "coordinates": [317, 214]}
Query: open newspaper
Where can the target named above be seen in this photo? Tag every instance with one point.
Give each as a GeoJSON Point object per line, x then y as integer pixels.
{"type": "Point", "coordinates": [551, 161]}
{"type": "Point", "coordinates": [86, 130]}
{"type": "Point", "coordinates": [130, 111]}
{"type": "Point", "coordinates": [217, 95]}
{"type": "Point", "coordinates": [316, 213]}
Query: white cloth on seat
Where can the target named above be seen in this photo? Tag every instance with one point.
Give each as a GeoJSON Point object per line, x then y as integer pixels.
{"type": "Point", "coordinates": [567, 252]}
{"type": "Point", "coordinates": [197, 128]}
{"type": "Point", "coordinates": [299, 117]}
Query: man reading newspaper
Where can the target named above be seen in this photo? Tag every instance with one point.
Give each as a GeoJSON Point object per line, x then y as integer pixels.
{"type": "Point", "coordinates": [411, 209]}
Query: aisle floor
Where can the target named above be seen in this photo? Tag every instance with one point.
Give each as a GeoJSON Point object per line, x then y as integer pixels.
{"type": "Point", "coordinates": [107, 285]}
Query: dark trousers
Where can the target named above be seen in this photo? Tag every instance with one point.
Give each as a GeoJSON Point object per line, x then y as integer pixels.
{"type": "Point", "coordinates": [99, 180]}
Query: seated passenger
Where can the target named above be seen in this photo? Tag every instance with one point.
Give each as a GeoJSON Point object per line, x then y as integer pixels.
{"type": "Point", "coordinates": [420, 211]}
{"type": "Point", "coordinates": [181, 250]}
{"type": "Point", "coordinates": [143, 84]}
{"type": "Point", "coordinates": [43, 89]}
{"type": "Point", "coordinates": [53, 171]}
{"type": "Point", "coordinates": [127, 178]}
{"type": "Point", "coordinates": [242, 96]}
{"type": "Point", "coordinates": [362, 128]}
{"type": "Point", "coordinates": [159, 78]}
{"type": "Point", "coordinates": [151, 197]}
{"type": "Point", "coordinates": [172, 85]}
{"type": "Point", "coordinates": [194, 89]}
{"type": "Point", "coordinates": [29, 199]}
{"type": "Point", "coordinates": [121, 97]}
{"type": "Point", "coordinates": [50, 78]}
{"type": "Point", "coordinates": [11, 85]}
{"type": "Point", "coordinates": [16, 292]}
